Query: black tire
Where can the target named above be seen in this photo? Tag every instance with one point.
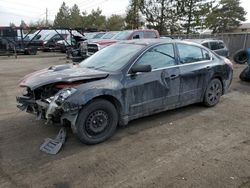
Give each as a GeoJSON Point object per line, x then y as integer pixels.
{"type": "Point", "coordinates": [33, 52]}
{"type": "Point", "coordinates": [241, 57]}
{"type": "Point", "coordinates": [96, 122]}
{"type": "Point", "coordinates": [245, 74]}
{"type": "Point", "coordinates": [213, 93]}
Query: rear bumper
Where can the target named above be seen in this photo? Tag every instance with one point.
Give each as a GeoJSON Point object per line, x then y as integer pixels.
{"type": "Point", "coordinates": [228, 82]}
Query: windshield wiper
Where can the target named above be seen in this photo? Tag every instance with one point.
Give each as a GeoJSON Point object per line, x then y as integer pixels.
{"type": "Point", "coordinates": [99, 67]}
{"type": "Point", "coordinates": [90, 67]}
{"type": "Point", "coordinates": [96, 68]}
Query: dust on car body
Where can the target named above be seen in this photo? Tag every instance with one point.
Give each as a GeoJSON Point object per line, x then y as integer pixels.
{"type": "Point", "coordinates": [125, 81]}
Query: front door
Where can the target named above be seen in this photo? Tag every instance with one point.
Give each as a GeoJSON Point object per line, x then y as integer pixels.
{"type": "Point", "coordinates": [153, 91]}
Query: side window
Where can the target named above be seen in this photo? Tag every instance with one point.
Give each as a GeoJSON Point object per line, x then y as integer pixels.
{"type": "Point", "coordinates": [221, 45]}
{"type": "Point", "coordinates": [205, 44]}
{"type": "Point", "coordinates": [191, 54]}
{"type": "Point", "coordinates": [214, 45]}
{"type": "Point", "coordinates": [206, 55]}
{"type": "Point", "coordinates": [138, 35]}
{"type": "Point", "coordinates": [56, 38]}
{"type": "Point", "coordinates": [158, 57]}
{"type": "Point", "coordinates": [151, 34]}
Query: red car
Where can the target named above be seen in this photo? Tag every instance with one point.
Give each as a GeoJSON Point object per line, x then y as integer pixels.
{"type": "Point", "coordinates": [88, 48]}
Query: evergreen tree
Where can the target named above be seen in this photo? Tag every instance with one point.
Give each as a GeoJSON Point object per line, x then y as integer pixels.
{"type": "Point", "coordinates": [162, 15]}
{"type": "Point", "coordinates": [23, 24]}
{"type": "Point", "coordinates": [115, 22]}
{"type": "Point", "coordinates": [193, 13]}
{"type": "Point", "coordinates": [62, 18]}
{"type": "Point", "coordinates": [96, 20]}
{"type": "Point", "coordinates": [75, 17]}
{"type": "Point", "coordinates": [225, 16]}
{"type": "Point", "coordinates": [133, 18]}
{"type": "Point", "coordinates": [12, 24]}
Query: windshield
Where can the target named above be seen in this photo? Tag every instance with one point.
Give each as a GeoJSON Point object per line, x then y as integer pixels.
{"type": "Point", "coordinates": [108, 35]}
{"type": "Point", "coordinates": [98, 35]}
{"type": "Point", "coordinates": [112, 58]}
{"type": "Point", "coordinates": [123, 35]}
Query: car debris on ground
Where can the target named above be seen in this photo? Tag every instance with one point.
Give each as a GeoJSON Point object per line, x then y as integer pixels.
{"type": "Point", "coordinates": [53, 146]}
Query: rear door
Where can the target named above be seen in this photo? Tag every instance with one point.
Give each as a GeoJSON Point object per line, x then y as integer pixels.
{"type": "Point", "coordinates": [195, 67]}
{"type": "Point", "coordinates": [155, 90]}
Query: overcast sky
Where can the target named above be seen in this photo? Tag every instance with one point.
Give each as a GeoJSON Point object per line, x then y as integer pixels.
{"type": "Point", "coordinates": [32, 10]}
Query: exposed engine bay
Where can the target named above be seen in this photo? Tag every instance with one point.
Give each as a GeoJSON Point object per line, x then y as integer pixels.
{"type": "Point", "coordinates": [45, 92]}
{"type": "Point", "coordinates": [45, 101]}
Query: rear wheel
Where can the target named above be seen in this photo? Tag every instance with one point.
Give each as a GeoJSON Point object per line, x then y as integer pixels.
{"type": "Point", "coordinates": [97, 122]}
{"type": "Point", "coordinates": [213, 93]}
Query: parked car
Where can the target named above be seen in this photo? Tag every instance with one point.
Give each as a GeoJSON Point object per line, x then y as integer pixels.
{"type": "Point", "coordinates": [8, 47]}
{"type": "Point", "coordinates": [125, 81]}
{"type": "Point", "coordinates": [218, 46]}
{"type": "Point", "coordinates": [88, 48]}
{"type": "Point", "coordinates": [50, 43]}
{"type": "Point", "coordinates": [79, 54]}
{"type": "Point", "coordinates": [72, 42]}
{"type": "Point", "coordinates": [94, 35]}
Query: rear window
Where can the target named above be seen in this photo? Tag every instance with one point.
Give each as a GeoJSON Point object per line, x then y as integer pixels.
{"type": "Point", "coordinates": [151, 35]}
{"type": "Point", "coordinates": [138, 35]}
{"type": "Point", "coordinates": [205, 44]}
{"type": "Point", "coordinates": [217, 45]}
{"type": "Point", "coordinates": [221, 45]}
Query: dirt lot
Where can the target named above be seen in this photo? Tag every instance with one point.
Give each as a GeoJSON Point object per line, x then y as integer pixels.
{"type": "Point", "coordinates": [193, 146]}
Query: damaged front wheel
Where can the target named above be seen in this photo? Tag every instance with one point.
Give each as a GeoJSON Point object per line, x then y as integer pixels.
{"type": "Point", "coordinates": [97, 122]}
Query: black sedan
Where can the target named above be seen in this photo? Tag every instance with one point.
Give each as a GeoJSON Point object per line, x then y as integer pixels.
{"type": "Point", "coordinates": [123, 82]}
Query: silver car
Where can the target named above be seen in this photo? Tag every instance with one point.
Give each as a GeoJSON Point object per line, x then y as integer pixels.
{"type": "Point", "coordinates": [218, 46]}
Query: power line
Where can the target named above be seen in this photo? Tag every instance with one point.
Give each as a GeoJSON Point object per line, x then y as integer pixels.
{"type": "Point", "coordinates": [84, 2]}
{"type": "Point", "coordinates": [102, 2]}
{"type": "Point", "coordinates": [118, 11]}
{"type": "Point", "coordinates": [19, 10]}
{"type": "Point", "coordinates": [20, 3]}
{"type": "Point", "coordinates": [20, 15]}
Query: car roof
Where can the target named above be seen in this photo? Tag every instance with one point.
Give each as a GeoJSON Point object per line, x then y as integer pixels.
{"type": "Point", "coordinates": [149, 42]}
{"type": "Point", "coordinates": [145, 42]}
{"type": "Point", "coordinates": [200, 41]}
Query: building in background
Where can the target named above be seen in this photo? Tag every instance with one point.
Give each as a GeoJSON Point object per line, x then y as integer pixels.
{"type": "Point", "coordinates": [245, 27]}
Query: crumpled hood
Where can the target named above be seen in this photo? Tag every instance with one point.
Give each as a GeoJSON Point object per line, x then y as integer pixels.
{"type": "Point", "coordinates": [60, 73]}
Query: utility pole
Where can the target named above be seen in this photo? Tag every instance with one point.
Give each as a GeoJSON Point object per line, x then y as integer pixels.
{"type": "Point", "coordinates": [46, 19]}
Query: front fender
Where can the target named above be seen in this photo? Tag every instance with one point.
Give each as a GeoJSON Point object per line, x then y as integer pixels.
{"type": "Point", "coordinates": [88, 91]}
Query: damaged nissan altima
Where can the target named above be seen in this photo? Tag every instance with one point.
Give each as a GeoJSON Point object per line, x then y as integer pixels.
{"type": "Point", "coordinates": [125, 81]}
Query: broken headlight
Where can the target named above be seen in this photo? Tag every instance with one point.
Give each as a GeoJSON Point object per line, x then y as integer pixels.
{"type": "Point", "coordinates": [63, 95]}
{"type": "Point", "coordinates": [23, 91]}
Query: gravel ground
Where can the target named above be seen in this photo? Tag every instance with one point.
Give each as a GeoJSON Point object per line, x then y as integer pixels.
{"type": "Point", "coordinates": [193, 146]}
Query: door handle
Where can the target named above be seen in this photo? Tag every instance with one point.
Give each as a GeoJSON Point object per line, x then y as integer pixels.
{"type": "Point", "coordinates": [173, 76]}
{"type": "Point", "coordinates": [208, 67]}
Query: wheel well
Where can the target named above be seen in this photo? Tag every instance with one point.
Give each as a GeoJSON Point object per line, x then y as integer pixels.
{"type": "Point", "coordinates": [219, 78]}
{"type": "Point", "coordinates": [113, 100]}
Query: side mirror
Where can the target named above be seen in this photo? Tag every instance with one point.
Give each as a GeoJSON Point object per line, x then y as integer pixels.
{"type": "Point", "coordinates": [141, 68]}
